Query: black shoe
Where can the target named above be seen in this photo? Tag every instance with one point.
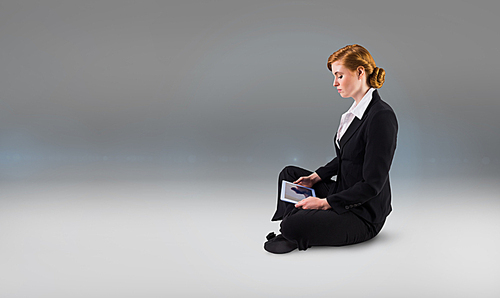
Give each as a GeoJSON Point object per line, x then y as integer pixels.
{"type": "Point", "coordinates": [270, 236]}
{"type": "Point", "coordinates": [278, 244]}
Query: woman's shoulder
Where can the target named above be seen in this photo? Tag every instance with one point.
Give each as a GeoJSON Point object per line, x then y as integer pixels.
{"type": "Point", "coordinates": [381, 113]}
{"type": "Point", "coordinates": [379, 105]}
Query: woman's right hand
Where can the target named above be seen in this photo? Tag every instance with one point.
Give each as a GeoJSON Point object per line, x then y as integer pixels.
{"type": "Point", "coordinates": [308, 181]}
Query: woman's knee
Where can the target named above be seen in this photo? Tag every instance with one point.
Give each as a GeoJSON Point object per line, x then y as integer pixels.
{"type": "Point", "coordinates": [288, 173]}
{"type": "Point", "coordinates": [285, 170]}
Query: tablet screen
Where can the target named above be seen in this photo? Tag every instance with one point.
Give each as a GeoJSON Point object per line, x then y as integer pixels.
{"type": "Point", "coordinates": [294, 193]}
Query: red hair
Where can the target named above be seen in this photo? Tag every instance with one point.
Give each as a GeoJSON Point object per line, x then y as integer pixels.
{"type": "Point", "coordinates": [354, 56]}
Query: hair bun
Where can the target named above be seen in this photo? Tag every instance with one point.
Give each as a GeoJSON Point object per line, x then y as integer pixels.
{"type": "Point", "coordinates": [377, 77]}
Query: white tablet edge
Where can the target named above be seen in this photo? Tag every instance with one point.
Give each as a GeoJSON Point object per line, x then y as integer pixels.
{"type": "Point", "coordinates": [283, 187]}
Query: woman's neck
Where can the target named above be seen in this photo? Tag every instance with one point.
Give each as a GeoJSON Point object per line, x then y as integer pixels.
{"type": "Point", "coordinates": [360, 94]}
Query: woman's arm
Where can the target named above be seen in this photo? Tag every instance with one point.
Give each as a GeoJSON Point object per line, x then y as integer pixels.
{"type": "Point", "coordinates": [379, 152]}
{"type": "Point", "coordinates": [308, 181]}
{"type": "Point", "coordinates": [313, 203]}
{"type": "Point", "coordinates": [329, 170]}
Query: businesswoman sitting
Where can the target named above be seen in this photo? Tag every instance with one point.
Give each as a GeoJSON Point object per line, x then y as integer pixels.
{"type": "Point", "coordinates": [353, 208]}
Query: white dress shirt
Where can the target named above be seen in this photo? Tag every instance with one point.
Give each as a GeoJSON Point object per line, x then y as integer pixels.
{"type": "Point", "coordinates": [356, 110]}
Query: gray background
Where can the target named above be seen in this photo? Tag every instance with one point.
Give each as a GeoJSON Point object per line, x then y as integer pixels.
{"type": "Point", "coordinates": [195, 86]}
{"type": "Point", "coordinates": [173, 107]}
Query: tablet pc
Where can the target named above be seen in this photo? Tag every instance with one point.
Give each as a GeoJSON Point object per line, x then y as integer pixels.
{"type": "Point", "coordinates": [294, 193]}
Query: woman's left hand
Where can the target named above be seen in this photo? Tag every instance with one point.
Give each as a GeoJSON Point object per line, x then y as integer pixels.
{"type": "Point", "coordinates": [313, 203]}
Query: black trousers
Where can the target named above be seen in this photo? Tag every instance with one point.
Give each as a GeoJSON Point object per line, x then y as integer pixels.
{"type": "Point", "coordinates": [319, 227]}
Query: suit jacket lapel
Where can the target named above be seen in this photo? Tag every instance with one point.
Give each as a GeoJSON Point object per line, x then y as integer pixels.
{"type": "Point", "coordinates": [356, 123]}
{"type": "Point", "coordinates": [350, 131]}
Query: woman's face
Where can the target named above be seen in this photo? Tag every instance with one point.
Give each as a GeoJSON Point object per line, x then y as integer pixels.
{"type": "Point", "coordinates": [347, 82]}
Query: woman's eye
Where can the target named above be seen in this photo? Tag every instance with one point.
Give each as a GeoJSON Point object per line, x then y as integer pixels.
{"type": "Point", "coordinates": [341, 76]}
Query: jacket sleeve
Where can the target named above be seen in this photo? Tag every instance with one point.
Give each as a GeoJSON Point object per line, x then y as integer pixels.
{"type": "Point", "coordinates": [380, 145]}
{"type": "Point", "coordinates": [329, 170]}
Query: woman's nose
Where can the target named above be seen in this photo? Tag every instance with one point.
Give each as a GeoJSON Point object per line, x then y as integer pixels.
{"type": "Point", "coordinates": [335, 83]}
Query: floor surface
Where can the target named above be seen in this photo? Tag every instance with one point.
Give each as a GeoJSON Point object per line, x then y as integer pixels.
{"type": "Point", "coordinates": [171, 239]}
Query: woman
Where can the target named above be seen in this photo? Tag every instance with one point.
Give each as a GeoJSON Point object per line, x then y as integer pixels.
{"type": "Point", "coordinates": [353, 208]}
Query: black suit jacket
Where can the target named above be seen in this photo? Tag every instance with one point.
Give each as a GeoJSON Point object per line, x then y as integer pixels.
{"type": "Point", "coordinates": [363, 162]}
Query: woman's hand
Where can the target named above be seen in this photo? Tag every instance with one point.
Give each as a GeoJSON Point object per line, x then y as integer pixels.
{"type": "Point", "coordinates": [308, 181]}
{"type": "Point", "coordinates": [313, 203]}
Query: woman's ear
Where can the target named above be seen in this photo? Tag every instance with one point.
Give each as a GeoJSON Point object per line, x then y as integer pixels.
{"type": "Point", "coordinates": [360, 71]}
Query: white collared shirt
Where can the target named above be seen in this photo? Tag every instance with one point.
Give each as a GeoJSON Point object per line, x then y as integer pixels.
{"type": "Point", "coordinates": [354, 111]}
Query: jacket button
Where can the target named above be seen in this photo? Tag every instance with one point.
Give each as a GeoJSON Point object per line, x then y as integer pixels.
{"type": "Point", "coordinates": [346, 207]}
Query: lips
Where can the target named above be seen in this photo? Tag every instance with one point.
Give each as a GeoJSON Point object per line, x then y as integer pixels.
{"type": "Point", "coordinates": [339, 90]}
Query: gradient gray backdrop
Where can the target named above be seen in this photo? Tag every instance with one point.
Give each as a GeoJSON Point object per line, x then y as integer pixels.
{"type": "Point", "coordinates": [185, 93]}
